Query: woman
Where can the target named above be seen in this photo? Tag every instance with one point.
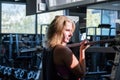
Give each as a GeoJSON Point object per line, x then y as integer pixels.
{"type": "Point", "coordinates": [67, 66]}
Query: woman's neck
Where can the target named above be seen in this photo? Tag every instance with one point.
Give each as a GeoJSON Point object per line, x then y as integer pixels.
{"type": "Point", "coordinates": [64, 44]}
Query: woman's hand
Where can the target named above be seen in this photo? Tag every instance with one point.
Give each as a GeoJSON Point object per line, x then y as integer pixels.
{"type": "Point", "coordinates": [84, 45]}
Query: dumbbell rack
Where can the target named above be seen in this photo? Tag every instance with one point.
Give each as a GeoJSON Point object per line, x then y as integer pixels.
{"type": "Point", "coordinates": [21, 73]}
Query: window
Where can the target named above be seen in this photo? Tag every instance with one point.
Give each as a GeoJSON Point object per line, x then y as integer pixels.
{"type": "Point", "coordinates": [14, 19]}
{"type": "Point", "coordinates": [61, 2]}
{"type": "Point", "coordinates": [109, 17]}
{"type": "Point", "coordinates": [96, 17]}
{"type": "Point", "coordinates": [46, 18]}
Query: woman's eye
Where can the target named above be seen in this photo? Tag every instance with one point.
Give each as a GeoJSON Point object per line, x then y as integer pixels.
{"type": "Point", "coordinates": [67, 30]}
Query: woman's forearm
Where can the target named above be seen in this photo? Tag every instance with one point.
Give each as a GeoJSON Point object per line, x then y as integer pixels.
{"type": "Point", "coordinates": [82, 61]}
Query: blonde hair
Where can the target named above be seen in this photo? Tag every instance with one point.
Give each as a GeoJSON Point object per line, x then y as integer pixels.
{"type": "Point", "coordinates": [55, 30]}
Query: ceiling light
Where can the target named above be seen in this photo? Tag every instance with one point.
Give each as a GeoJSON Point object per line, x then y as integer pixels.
{"type": "Point", "coordinates": [17, 0]}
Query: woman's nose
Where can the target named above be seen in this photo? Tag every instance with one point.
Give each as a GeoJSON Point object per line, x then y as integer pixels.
{"type": "Point", "coordinates": [71, 34]}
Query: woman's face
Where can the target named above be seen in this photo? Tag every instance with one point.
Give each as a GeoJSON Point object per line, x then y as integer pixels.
{"type": "Point", "coordinates": [67, 32]}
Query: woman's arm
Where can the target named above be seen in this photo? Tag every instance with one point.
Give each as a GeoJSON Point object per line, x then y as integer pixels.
{"type": "Point", "coordinates": [66, 57]}
{"type": "Point", "coordinates": [82, 59]}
